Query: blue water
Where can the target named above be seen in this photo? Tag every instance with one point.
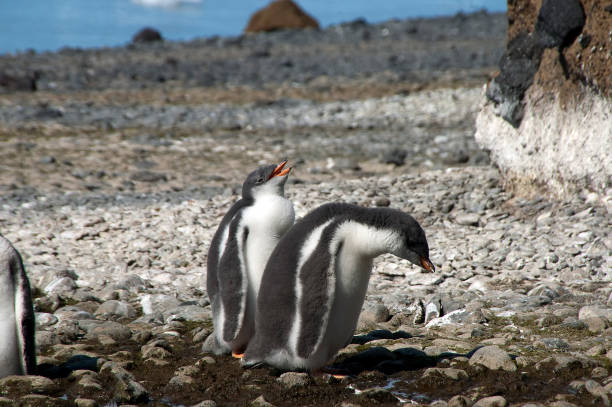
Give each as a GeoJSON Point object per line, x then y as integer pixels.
{"type": "Point", "coordinates": [47, 25]}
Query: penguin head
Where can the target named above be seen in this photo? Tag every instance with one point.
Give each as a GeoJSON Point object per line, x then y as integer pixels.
{"type": "Point", "coordinates": [412, 244]}
{"type": "Point", "coordinates": [266, 180]}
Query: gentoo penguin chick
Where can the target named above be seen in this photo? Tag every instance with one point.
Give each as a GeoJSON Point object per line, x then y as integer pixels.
{"type": "Point", "coordinates": [239, 251]}
{"type": "Point", "coordinates": [315, 282]}
{"type": "Point", "coordinates": [17, 350]}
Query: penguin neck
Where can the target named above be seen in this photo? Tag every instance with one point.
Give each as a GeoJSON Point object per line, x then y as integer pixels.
{"type": "Point", "coordinates": [367, 241]}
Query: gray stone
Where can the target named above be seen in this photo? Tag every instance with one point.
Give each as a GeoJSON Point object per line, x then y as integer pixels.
{"type": "Point", "coordinates": [42, 400]}
{"type": "Point", "coordinates": [451, 373]}
{"type": "Point", "coordinates": [555, 343]}
{"type": "Point", "coordinates": [261, 402]}
{"type": "Point", "coordinates": [27, 384]}
{"type": "Point", "coordinates": [591, 311]}
{"type": "Point", "coordinates": [114, 309]}
{"type": "Point", "coordinates": [206, 403]}
{"type": "Point", "coordinates": [188, 313]}
{"type": "Point", "coordinates": [151, 303]}
{"type": "Point", "coordinates": [596, 324]}
{"type": "Point", "coordinates": [294, 379]}
{"type": "Point", "coordinates": [126, 389]}
{"type": "Point", "coordinates": [598, 391]}
{"type": "Point", "coordinates": [112, 329]}
{"type": "Point", "coordinates": [494, 358]}
{"type": "Point", "coordinates": [459, 401]}
{"type": "Point", "coordinates": [63, 286]}
{"type": "Point", "coordinates": [493, 401]}
{"type": "Point", "coordinates": [467, 219]}
{"type": "Point", "coordinates": [44, 320]}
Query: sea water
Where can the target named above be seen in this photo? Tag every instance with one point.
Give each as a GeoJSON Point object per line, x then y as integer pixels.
{"type": "Point", "coordinates": [48, 25]}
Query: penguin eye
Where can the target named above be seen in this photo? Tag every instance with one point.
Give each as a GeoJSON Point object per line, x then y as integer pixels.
{"type": "Point", "coordinates": [260, 181]}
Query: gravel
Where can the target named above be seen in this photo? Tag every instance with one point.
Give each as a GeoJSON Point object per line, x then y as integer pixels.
{"type": "Point", "coordinates": [113, 206]}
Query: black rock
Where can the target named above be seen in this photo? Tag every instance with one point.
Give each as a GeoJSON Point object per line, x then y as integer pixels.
{"type": "Point", "coordinates": [380, 334]}
{"type": "Point", "coordinates": [518, 66]}
{"type": "Point", "coordinates": [559, 22]}
{"type": "Point", "coordinates": [12, 83]}
{"type": "Point", "coordinates": [148, 176]}
{"type": "Point", "coordinates": [395, 156]}
{"type": "Point", "coordinates": [147, 34]}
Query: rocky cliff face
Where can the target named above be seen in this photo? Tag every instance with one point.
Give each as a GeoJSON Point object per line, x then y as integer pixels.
{"type": "Point", "coordinates": [547, 116]}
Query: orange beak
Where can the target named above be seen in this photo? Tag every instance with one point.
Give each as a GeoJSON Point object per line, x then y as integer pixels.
{"type": "Point", "coordinates": [427, 265]}
{"type": "Point", "coordinates": [279, 172]}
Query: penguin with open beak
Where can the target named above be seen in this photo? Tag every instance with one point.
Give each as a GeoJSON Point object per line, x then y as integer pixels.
{"type": "Point", "coordinates": [17, 345]}
{"type": "Point", "coordinates": [315, 282]}
{"type": "Point", "coordinates": [239, 252]}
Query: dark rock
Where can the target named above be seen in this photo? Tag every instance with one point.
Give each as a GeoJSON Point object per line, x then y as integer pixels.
{"type": "Point", "coordinates": [148, 176]}
{"type": "Point", "coordinates": [382, 201]}
{"type": "Point", "coordinates": [518, 65]}
{"type": "Point", "coordinates": [559, 22]}
{"type": "Point", "coordinates": [147, 34]}
{"type": "Point", "coordinates": [14, 83]}
{"type": "Point", "coordinates": [377, 395]}
{"type": "Point", "coordinates": [280, 15]}
{"type": "Point", "coordinates": [48, 159]}
{"type": "Point", "coordinates": [396, 156]}
{"type": "Point", "coordinates": [380, 334]}
{"type": "Point", "coordinates": [584, 40]}
{"type": "Point", "coordinates": [47, 112]}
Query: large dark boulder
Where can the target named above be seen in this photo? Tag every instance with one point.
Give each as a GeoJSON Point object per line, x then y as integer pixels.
{"type": "Point", "coordinates": [280, 15]}
{"type": "Point", "coordinates": [18, 82]}
{"type": "Point", "coordinates": [147, 34]}
{"type": "Point", "coordinates": [559, 22]}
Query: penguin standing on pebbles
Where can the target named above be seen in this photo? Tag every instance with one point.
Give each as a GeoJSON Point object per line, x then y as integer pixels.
{"type": "Point", "coordinates": [315, 282]}
{"type": "Point", "coordinates": [238, 254]}
{"type": "Point", "coordinates": [17, 349]}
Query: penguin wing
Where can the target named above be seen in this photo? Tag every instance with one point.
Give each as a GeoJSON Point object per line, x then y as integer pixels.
{"type": "Point", "coordinates": [232, 279]}
{"type": "Point", "coordinates": [24, 314]}
{"type": "Point", "coordinates": [217, 248]}
{"type": "Point", "coordinates": [317, 278]}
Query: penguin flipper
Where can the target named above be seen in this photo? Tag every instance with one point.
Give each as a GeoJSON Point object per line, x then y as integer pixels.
{"type": "Point", "coordinates": [233, 281]}
{"type": "Point", "coordinates": [318, 280]}
{"type": "Point", "coordinates": [25, 310]}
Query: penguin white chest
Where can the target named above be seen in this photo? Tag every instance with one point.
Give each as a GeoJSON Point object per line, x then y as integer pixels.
{"type": "Point", "coordinates": [267, 220]}
{"type": "Point", "coordinates": [9, 343]}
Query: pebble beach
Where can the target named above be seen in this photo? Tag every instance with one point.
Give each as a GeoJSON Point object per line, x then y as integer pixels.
{"type": "Point", "coordinates": [114, 181]}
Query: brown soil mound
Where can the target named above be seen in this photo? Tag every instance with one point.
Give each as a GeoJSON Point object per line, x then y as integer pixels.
{"type": "Point", "coordinates": [280, 15]}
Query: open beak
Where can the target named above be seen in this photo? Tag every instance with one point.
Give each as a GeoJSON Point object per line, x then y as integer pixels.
{"type": "Point", "coordinates": [427, 265]}
{"type": "Point", "coordinates": [279, 171]}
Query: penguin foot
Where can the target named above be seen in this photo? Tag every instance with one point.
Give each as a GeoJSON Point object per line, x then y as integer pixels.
{"type": "Point", "coordinates": [237, 355]}
{"type": "Point", "coordinates": [335, 372]}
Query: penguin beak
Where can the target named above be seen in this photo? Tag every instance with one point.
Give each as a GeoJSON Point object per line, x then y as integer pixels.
{"type": "Point", "coordinates": [279, 172]}
{"type": "Point", "coordinates": [427, 265]}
